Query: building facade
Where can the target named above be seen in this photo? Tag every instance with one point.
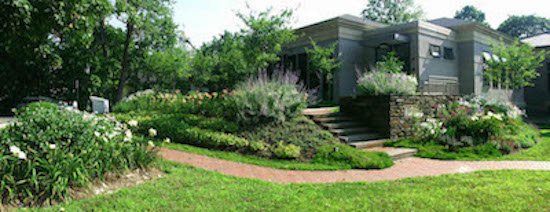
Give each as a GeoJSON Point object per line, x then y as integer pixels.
{"type": "Point", "coordinates": [538, 96]}
{"type": "Point", "coordinates": [447, 55]}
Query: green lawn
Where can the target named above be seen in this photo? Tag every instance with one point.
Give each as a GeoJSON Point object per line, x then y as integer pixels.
{"type": "Point", "coordinates": [273, 163]}
{"type": "Point", "coordinates": [191, 189]}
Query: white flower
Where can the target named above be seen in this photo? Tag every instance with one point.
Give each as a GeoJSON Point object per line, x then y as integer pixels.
{"type": "Point", "coordinates": [52, 146]}
{"type": "Point", "coordinates": [151, 144]}
{"type": "Point", "coordinates": [97, 134]}
{"type": "Point", "coordinates": [105, 139]}
{"type": "Point", "coordinates": [152, 132]}
{"type": "Point", "coordinates": [22, 155]}
{"type": "Point", "coordinates": [133, 123]}
{"type": "Point", "coordinates": [474, 118]}
{"type": "Point", "coordinates": [424, 125]}
{"type": "Point", "coordinates": [18, 153]}
{"type": "Point", "coordinates": [167, 140]}
{"type": "Point", "coordinates": [128, 133]}
{"type": "Point", "coordinates": [15, 150]}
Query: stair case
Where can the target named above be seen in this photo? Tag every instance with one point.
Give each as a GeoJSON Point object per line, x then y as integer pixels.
{"type": "Point", "coordinates": [354, 133]}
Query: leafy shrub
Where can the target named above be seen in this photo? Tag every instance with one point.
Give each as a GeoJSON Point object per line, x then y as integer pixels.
{"type": "Point", "coordinates": [286, 151]}
{"type": "Point", "coordinates": [266, 99]}
{"type": "Point", "coordinates": [386, 83]}
{"type": "Point", "coordinates": [344, 154]}
{"type": "Point", "coordinates": [299, 131]}
{"type": "Point", "coordinates": [51, 150]}
{"type": "Point", "coordinates": [430, 149]}
{"type": "Point", "coordinates": [207, 104]}
{"type": "Point", "coordinates": [476, 121]}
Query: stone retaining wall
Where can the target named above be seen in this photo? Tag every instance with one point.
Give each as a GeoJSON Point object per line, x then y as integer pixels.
{"type": "Point", "coordinates": [390, 115]}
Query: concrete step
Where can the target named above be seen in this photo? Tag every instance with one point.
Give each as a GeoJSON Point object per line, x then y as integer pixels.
{"type": "Point", "coordinates": [348, 131]}
{"type": "Point", "coordinates": [332, 119]}
{"type": "Point", "coordinates": [395, 153]}
{"type": "Point", "coordinates": [342, 125]}
{"type": "Point", "coordinates": [320, 111]}
{"type": "Point", "coordinates": [358, 137]}
{"type": "Point", "coordinates": [368, 144]}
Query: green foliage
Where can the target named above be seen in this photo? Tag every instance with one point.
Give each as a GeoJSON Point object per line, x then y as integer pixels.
{"type": "Point", "coordinates": [524, 26]}
{"type": "Point", "coordinates": [322, 60]}
{"type": "Point", "coordinates": [392, 11]}
{"type": "Point", "coordinates": [340, 153]}
{"type": "Point", "coordinates": [427, 149]}
{"type": "Point", "coordinates": [265, 99]}
{"type": "Point", "coordinates": [51, 151]}
{"type": "Point", "coordinates": [386, 83]}
{"type": "Point", "coordinates": [169, 70]}
{"type": "Point", "coordinates": [517, 66]}
{"type": "Point", "coordinates": [286, 151]}
{"type": "Point", "coordinates": [471, 13]}
{"type": "Point", "coordinates": [390, 64]}
{"type": "Point", "coordinates": [299, 131]}
{"type": "Point", "coordinates": [208, 104]}
{"type": "Point", "coordinates": [476, 123]}
{"type": "Point", "coordinates": [234, 57]}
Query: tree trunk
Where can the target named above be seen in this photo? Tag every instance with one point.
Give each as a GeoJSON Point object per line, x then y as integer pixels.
{"type": "Point", "coordinates": [124, 63]}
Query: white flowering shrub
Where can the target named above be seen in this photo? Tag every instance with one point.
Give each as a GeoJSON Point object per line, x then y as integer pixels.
{"type": "Point", "coordinates": [49, 151]}
{"type": "Point", "coordinates": [386, 83]}
{"type": "Point", "coordinates": [474, 121]}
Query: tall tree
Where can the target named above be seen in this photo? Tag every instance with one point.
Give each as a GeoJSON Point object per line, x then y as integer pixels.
{"type": "Point", "coordinates": [35, 35]}
{"type": "Point", "coordinates": [392, 11]}
{"type": "Point", "coordinates": [524, 26]}
{"type": "Point", "coordinates": [149, 26]}
{"type": "Point", "coordinates": [470, 13]}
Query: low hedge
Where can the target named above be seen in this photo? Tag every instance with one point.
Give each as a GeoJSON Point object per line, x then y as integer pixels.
{"type": "Point", "coordinates": [357, 159]}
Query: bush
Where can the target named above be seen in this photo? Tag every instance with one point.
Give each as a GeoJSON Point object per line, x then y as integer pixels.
{"type": "Point", "coordinates": [286, 151]}
{"type": "Point", "coordinates": [386, 83]}
{"type": "Point", "coordinates": [207, 104]}
{"type": "Point", "coordinates": [50, 151]}
{"type": "Point", "coordinates": [266, 99]}
{"type": "Point", "coordinates": [299, 131]}
{"type": "Point", "coordinates": [357, 159]}
{"type": "Point", "coordinates": [476, 121]}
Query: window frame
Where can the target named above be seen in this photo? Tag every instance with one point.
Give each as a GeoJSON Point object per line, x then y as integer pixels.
{"type": "Point", "coordinates": [432, 51]}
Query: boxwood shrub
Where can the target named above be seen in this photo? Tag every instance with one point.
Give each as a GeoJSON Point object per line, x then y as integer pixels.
{"type": "Point", "coordinates": [49, 151]}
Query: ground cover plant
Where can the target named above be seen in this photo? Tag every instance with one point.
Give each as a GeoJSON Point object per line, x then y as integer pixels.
{"type": "Point", "coordinates": [50, 151]}
{"type": "Point", "coordinates": [189, 189]}
{"type": "Point", "coordinates": [472, 127]}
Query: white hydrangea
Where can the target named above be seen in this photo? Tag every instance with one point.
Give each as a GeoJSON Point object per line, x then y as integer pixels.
{"type": "Point", "coordinates": [133, 123]}
{"type": "Point", "coordinates": [152, 132]}
{"type": "Point", "coordinates": [52, 146]}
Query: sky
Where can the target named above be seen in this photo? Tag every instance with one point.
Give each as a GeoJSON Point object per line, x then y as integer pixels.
{"type": "Point", "coordinates": [201, 20]}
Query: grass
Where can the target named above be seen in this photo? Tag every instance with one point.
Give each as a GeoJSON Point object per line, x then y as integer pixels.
{"type": "Point", "coordinates": [272, 163]}
{"type": "Point", "coordinates": [539, 152]}
{"type": "Point", "coordinates": [192, 189]}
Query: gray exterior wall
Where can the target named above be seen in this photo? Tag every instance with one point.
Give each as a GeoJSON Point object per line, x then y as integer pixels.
{"type": "Point", "coordinates": [538, 96]}
{"type": "Point", "coordinates": [430, 66]}
{"type": "Point", "coordinates": [353, 57]}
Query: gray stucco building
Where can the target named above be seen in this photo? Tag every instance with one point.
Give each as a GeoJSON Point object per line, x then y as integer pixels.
{"type": "Point", "coordinates": [447, 55]}
{"type": "Point", "coordinates": [538, 96]}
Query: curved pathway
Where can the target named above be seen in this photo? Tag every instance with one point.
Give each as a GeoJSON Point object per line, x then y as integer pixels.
{"type": "Point", "coordinates": [405, 168]}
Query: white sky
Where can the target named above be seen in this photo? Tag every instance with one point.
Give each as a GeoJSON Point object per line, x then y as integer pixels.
{"type": "Point", "coordinates": [203, 19]}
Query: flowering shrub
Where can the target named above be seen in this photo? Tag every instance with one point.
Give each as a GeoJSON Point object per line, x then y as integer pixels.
{"type": "Point", "coordinates": [386, 83]}
{"type": "Point", "coordinates": [51, 150]}
{"type": "Point", "coordinates": [475, 121]}
{"type": "Point", "coordinates": [202, 103]}
{"type": "Point", "coordinates": [265, 99]}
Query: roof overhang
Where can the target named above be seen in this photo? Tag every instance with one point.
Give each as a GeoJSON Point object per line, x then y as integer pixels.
{"type": "Point", "coordinates": [393, 38]}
